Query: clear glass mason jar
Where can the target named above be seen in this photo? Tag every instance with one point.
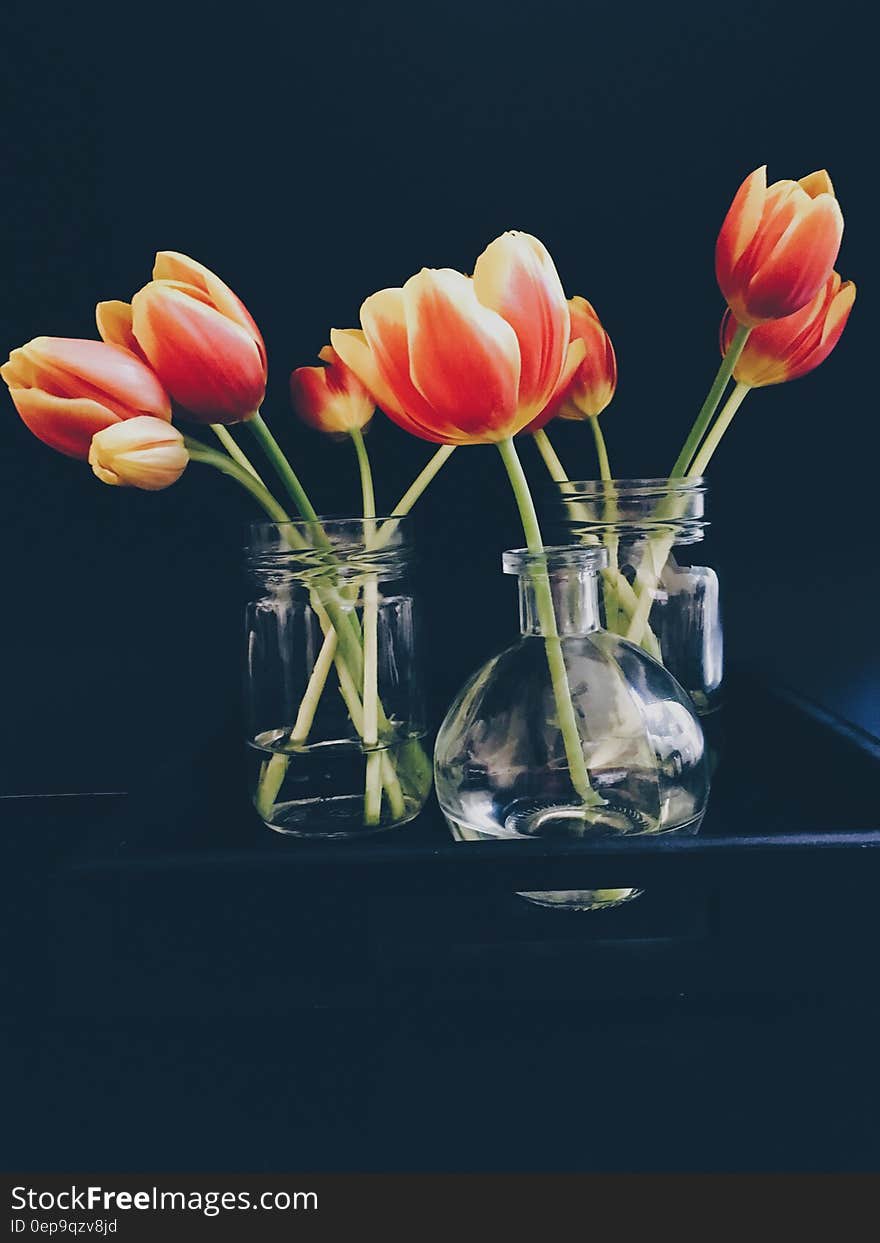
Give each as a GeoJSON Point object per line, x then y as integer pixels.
{"type": "Point", "coordinates": [652, 591]}
{"type": "Point", "coordinates": [333, 696]}
{"type": "Point", "coordinates": [503, 765]}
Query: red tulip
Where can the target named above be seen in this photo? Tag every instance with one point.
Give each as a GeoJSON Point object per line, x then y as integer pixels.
{"type": "Point", "coordinates": [461, 360]}
{"type": "Point", "coordinates": [197, 336]}
{"type": "Point", "coordinates": [143, 453]}
{"type": "Point", "coordinates": [332, 398]}
{"type": "Point", "coordinates": [594, 382]}
{"type": "Point", "coordinates": [777, 246]}
{"type": "Point", "coordinates": [67, 390]}
{"type": "Point", "coordinates": [785, 349]}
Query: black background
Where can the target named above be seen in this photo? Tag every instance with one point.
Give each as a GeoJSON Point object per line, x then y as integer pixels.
{"type": "Point", "coordinates": [311, 155]}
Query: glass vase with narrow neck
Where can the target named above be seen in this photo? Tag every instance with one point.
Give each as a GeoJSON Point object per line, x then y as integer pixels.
{"type": "Point", "coordinates": [503, 763]}
{"type": "Point", "coordinates": [333, 695]}
{"type": "Point", "coordinates": [653, 592]}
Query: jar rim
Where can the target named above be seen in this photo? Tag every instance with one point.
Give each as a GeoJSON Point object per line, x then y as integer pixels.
{"type": "Point", "coordinates": [347, 546]}
{"type": "Point", "coordinates": [589, 557]}
{"type": "Point", "coordinates": [328, 522]}
{"type": "Point", "coordinates": [634, 487]}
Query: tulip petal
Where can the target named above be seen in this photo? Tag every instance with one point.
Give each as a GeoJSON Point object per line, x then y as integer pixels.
{"type": "Point", "coordinates": [464, 357]}
{"type": "Point", "coordinates": [352, 347]}
{"type": "Point", "coordinates": [784, 349]}
{"type": "Point", "coordinates": [832, 329]}
{"type": "Point", "coordinates": [105, 373]}
{"type": "Point", "coordinates": [800, 263]}
{"type": "Point", "coordinates": [817, 183]}
{"type": "Point", "coordinates": [385, 333]}
{"type": "Point", "coordinates": [65, 424]}
{"type": "Point", "coordinates": [210, 365]}
{"type": "Point", "coordinates": [330, 399]}
{"type": "Point", "coordinates": [173, 266]}
{"type": "Point", "coordinates": [740, 225]}
{"type": "Point", "coordinates": [516, 277]}
{"type": "Point", "coordinates": [114, 325]}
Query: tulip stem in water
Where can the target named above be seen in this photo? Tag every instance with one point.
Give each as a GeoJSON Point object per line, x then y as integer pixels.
{"type": "Point", "coordinates": [568, 725]}
{"type": "Point", "coordinates": [618, 596]}
{"type": "Point", "coordinates": [373, 787]}
{"type": "Point", "coordinates": [710, 405]}
{"type": "Point", "coordinates": [612, 540]}
{"type": "Point", "coordinates": [274, 770]}
{"type": "Point", "coordinates": [719, 427]}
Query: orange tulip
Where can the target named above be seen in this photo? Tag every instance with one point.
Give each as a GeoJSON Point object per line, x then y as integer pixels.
{"type": "Point", "coordinates": [594, 382]}
{"type": "Point", "coordinates": [332, 398]}
{"type": "Point", "coordinates": [777, 246]}
{"type": "Point", "coordinates": [461, 360]}
{"type": "Point", "coordinates": [143, 453]}
{"type": "Point", "coordinates": [785, 349]}
{"type": "Point", "coordinates": [67, 390]}
{"type": "Point", "coordinates": [197, 336]}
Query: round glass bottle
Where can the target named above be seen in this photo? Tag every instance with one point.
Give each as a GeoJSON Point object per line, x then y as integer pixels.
{"type": "Point", "coordinates": [652, 591]}
{"type": "Point", "coordinates": [333, 696]}
{"type": "Point", "coordinates": [502, 764]}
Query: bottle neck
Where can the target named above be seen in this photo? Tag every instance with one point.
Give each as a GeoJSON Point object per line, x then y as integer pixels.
{"type": "Point", "coordinates": [575, 592]}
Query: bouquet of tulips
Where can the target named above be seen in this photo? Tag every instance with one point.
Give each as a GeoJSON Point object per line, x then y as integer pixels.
{"type": "Point", "coordinates": [452, 359]}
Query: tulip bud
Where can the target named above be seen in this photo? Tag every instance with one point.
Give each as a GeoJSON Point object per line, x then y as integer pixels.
{"type": "Point", "coordinates": [200, 340]}
{"type": "Point", "coordinates": [332, 398]}
{"type": "Point", "coordinates": [785, 349]}
{"type": "Point", "coordinates": [777, 246]}
{"type": "Point", "coordinates": [67, 390]}
{"type": "Point", "coordinates": [140, 453]}
{"type": "Point", "coordinates": [594, 382]}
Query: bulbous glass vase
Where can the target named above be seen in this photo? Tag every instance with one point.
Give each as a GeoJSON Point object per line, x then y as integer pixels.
{"type": "Point", "coordinates": [505, 764]}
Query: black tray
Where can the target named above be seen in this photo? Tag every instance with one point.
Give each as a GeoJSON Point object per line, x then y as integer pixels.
{"type": "Point", "coordinates": [181, 901]}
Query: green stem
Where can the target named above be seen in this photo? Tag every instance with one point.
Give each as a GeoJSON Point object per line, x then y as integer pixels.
{"type": "Point", "coordinates": [200, 452]}
{"type": "Point", "coordinates": [285, 471]}
{"type": "Point", "coordinates": [229, 444]}
{"type": "Point", "coordinates": [421, 481]}
{"type": "Point", "coordinates": [612, 542]}
{"type": "Point", "coordinates": [550, 456]}
{"type": "Point", "coordinates": [719, 427]}
{"type": "Point", "coordinates": [568, 725]}
{"type": "Point", "coordinates": [363, 460]}
{"type": "Point", "coordinates": [619, 597]}
{"type": "Point", "coordinates": [334, 622]}
{"type": "Point", "coordinates": [404, 505]}
{"type": "Point", "coordinates": [373, 783]}
{"type": "Point", "coordinates": [710, 405]}
{"type": "Point", "coordinates": [411, 495]}
{"type": "Point", "coordinates": [601, 450]}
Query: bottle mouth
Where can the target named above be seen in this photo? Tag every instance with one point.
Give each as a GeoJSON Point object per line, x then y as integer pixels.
{"type": "Point", "coordinates": [520, 561]}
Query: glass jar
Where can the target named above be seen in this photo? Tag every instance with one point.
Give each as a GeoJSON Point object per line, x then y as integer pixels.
{"type": "Point", "coordinates": [503, 766]}
{"type": "Point", "coordinates": [333, 697]}
{"type": "Point", "coordinates": [652, 592]}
